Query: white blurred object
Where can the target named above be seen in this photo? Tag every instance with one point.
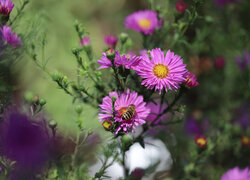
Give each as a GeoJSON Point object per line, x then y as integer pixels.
{"type": "Point", "coordinates": [138, 157]}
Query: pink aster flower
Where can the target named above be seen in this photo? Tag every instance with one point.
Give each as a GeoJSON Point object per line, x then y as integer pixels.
{"type": "Point", "coordinates": [143, 21]}
{"type": "Point", "coordinates": [85, 41]}
{"type": "Point", "coordinates": [143, 52]}
{"type": "Point", "coordinates": [162, 71]}
{"type": "Point", "coordinates": [180, 6]}
{"type": "Point", "coordinates": [129, 60]}
{"type": "Point", "coordinates": [236, 174]}
{"type": "Point", "coordinates": [10, 38]}
{"type": "Point", "coordinates": [110, 40]}
{"type": "Point", "coordinates": [123, 103]}
{"type": "Point", "coordinates": [191, 80]}
{"type": "Point", "coordinates": [104, 61]}
{"type": "Point", "coordinates": [6, 7]}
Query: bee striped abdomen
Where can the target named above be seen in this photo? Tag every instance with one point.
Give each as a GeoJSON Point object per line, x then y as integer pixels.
{"type": "Point", "coordinates": [129, 112]}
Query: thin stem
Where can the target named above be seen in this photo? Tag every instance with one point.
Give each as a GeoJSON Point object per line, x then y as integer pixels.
{"type": "Point", "coordinates": [19, 11]}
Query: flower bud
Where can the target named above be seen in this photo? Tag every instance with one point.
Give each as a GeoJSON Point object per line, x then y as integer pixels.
{"type": "Point", "coordinates": [110, 53]}
{"type": "Point", "coordinates": [29, 97]}
{"type": "Point", "coordinates": [79, 109]}
{"type": "Point", "coordinates": [245, 140]}
{"type": "Point", "coordinates": [107, 124]}
{"type": "Point", "coordinates": [42, 102]}
{"type": "Point", "coordinates": [123, 37]}
{"type": "Point", "coordinates": [52, 124]}
{"type": "Point", "coordinates": [57, 76]}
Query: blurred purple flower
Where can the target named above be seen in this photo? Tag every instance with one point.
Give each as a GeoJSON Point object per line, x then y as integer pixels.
{"type": "Point", "coordinates": [194, 128]}
{"type": "Point", "coordinates": [23, 140]}
{"type": "Point", "coordinates": [236, 174]}
{"type": "Point", "coordinates": [110, 40]}
{"type": "Point", "coordinates": [85, 41]}
{"type": "Point", "coordinates": [156, 109]}
{"type": "Point", "coordinates": [244, 61]}
{"type": "Point", "coordinates": [145, 21]}
{"type": "Point", "coordinates": [223, 3]}
{"type": "Point", "coordinates": [9, 37]}
{"type": "Point", "coordinates": [6, 7]}
{"type": "Point", "coordinates": [243, 116]}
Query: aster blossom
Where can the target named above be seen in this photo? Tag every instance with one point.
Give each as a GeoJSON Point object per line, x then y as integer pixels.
{"type": "Point", "coordinates": [236, 173]}
{"type": "Point", "coordinates": [162, 71]}
{"type": "Point", "coordinates": [191, 80]}
{"type": "Point", "coordinates": [110, 40]}
{"type": "Point", "coordinates": [9, 37]}
{"type": "Point", "coordinates": [180, 6]}
{"type": "Point", "coordinates": [122, 103]}
{"type": "Point", "coordinates": [145, 21]}
{"type": "Point", "coordinates": [129, 60]}
{"type": "Point", "coordinates": [6, 7]}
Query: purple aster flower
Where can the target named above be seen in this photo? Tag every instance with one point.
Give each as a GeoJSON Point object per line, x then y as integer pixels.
{"type": "Point", "coordinates": [236, 174]}
{"type": "Point", "coordinates": [110, 40]}
{"type": "Point", "coordinates": [10, 38]}
{"type": "Point", "coordinates": [244, 61]}
{"type": "Point", "coordinates": [191, 80]}
{"type": "Point", "coordinates": [143, 21]}
{"type": "Point", "coordinates": [162, 71]}
{"type": "Point", "coordinates": [6, 7]}
{"type": "Point", "coordinates": [24, 140]}
{"type": "Point", "coordinates": [85, 41]}
{"type": "Point", "coordinates": [122, 103]}
{"type": "Point", "coordinates": [104, 61]}
{"type": "Point", "coordinates": [129, 60]}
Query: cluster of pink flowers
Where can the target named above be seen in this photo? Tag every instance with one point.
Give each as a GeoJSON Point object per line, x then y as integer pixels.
{"type": "Point", "coordinates": [158, 71]}
{"type": "Point", "coordinates": [7, 36]}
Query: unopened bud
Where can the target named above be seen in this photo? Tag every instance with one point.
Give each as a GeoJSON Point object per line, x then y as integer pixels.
{"type": "Point", "coordinates": [42, 102]}
{"type": "Point", "coordinates": [110, 53]}
{"type": "Point", "coordinates": [29, 96]}
{"type": "Point", "coordinates": [79, 109]}
{"type": "Point", "coordinates": [57, 76]}
{"type": "Point", "coordinates": [123, 37]}
{"type": "Point", "coordinates": [107, 124]}
{"type": "Point", "coordinates": [52, 124]}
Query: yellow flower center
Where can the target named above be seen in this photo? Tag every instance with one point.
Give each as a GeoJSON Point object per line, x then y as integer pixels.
{"type": "Point", "coordinates": [201, 141]}
{"type": "Point", "coordinates": [161, 71]}
{"type": "Point", "coordinates": [144, 23]}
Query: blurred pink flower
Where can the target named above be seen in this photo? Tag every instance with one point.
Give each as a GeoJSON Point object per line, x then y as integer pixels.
{"type": "Point", "coordinates": [180, 6]}
{"type": "Point", "coordinates": [236, 174]}
{"type": "Point", "coordinates": [145, 21]}
{"type": "Point", "coordinates": [9, 37]}
{"type": "Point", "coordinates": [110, 40]}
{"type": "Point", "coordinates": [220, 62]}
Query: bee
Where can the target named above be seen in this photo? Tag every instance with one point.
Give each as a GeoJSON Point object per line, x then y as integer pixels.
{"type": "Point", "coordinates": [129, 113]}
